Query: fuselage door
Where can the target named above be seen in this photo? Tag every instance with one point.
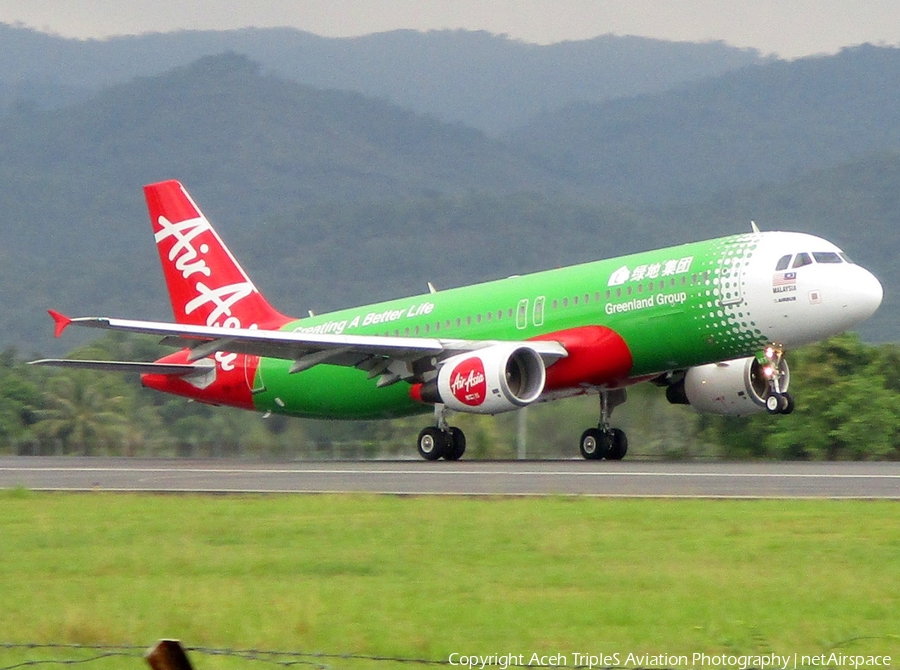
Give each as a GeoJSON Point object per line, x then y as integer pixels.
{"type": "Point", "coordinates": [731, 286]}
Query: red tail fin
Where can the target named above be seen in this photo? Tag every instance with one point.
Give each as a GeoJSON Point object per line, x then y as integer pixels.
{"type": "Point", "coordinates": [206, 284]}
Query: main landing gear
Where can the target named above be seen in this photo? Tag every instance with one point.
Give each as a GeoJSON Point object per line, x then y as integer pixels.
{"type": "Point", "coordinates": [441, 441]}
{"type": "Point", "coordinates": [778, 400]}
{"type": "Point", "coordinates": [449, 442]}
{"type": "Point", "coordinates": [605, 441]}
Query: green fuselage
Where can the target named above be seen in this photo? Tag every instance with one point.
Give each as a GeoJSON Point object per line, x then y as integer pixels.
{"type": "Point", "coordinates": [673, 308]}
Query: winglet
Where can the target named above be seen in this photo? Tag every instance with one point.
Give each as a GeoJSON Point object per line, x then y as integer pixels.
{"type": "Point", "coordinates": [60, 321]}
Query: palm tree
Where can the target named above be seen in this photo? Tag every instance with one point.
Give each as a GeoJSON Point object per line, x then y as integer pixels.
{"type": "Point", "coordinates": [80, 416]}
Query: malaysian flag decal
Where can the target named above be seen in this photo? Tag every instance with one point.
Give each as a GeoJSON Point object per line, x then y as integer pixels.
{"type": "Point", "coordinates": [784, 278]}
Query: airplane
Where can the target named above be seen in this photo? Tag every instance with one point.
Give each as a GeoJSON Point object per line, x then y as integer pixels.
{"type": "Point", "coordinates": [708, 321]}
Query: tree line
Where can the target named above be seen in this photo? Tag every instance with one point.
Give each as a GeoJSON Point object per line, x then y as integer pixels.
{"type": "Point", "coordinates": [847, 408]}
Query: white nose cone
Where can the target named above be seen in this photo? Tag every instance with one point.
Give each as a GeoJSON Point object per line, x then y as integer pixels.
{"type": "Point", "coordinates": [864, 295]}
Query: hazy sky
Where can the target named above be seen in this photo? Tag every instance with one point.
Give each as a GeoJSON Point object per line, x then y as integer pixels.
{"type": "Point", "coordinates": [789, 28]}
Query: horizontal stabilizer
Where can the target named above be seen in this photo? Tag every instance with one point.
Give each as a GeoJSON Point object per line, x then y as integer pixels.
{"type": "Point", "coordinates": [124, 366]}
{"type": "Point", "coordinates": [60, 321]}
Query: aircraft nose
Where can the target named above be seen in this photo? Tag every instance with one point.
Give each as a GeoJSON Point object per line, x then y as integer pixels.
{"type": "Point", "coordinates": [866, 294]}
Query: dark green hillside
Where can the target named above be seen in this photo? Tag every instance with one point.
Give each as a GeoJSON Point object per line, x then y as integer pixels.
{"type": "Point", "coordinates": [340, 254]}
{"type": "Point", "coordinates": [221, 121]}
{"type": "Point", "coordinates": [331, 199]}
{"type": "Point", "coordinates": [490, 82]}
{"type": "Point", "coordinates": [764, 123]}
{"type": "Point", "coordinates": [256, 152]}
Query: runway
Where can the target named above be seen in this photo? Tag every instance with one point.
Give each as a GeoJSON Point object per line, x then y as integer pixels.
{"type": "Point", "coordinates": [576, 477]}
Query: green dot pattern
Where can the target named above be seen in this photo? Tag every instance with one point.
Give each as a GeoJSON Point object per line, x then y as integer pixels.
{"type": "Point", "coordinates": [722, 312]}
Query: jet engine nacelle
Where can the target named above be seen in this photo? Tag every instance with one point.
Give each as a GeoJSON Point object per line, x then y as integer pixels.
{"type": "Point", "coordinates": [737, 387]}
{"type": "Point", "coordinates": [497, 379]}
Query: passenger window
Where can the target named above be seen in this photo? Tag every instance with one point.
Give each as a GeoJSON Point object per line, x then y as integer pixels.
{"type": "Point", "coordinates": [826, 257]}
{"type": "Point", "coordinates": [783, 263]}
{"type": "Point", "coordinates": [801, 260]}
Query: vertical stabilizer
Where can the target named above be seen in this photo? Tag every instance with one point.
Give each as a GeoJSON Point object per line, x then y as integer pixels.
{"type": "Point", "coordinates": [206, 284]}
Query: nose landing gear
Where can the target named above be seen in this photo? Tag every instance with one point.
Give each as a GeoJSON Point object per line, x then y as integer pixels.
{"type": "Point", "coordinates": [778, 400]}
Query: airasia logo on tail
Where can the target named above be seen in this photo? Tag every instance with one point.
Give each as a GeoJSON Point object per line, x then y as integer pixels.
{"type": "Point", "coordinates": [189, 260]}
{"type": "Point", "coordinates": [206, 284]}
{"type": "Point", "coordinates": [467, 382]}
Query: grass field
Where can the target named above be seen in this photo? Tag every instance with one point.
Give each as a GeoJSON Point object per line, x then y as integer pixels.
{"type": "Point", "coordinates": [425, 577]}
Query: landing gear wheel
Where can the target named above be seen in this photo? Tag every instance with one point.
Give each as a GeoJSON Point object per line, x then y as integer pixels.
{"type": "Point", "coordinates": [619, 445]}
{"type": "Point", "coordinates": [595, 444]}
{"type": "Point", "coordinates": [779, 403]}
{"type": "Point", "coordinates": [433, 443]}
{"type": "Point", "coordinates": [457, 444]}
{"type": "Point", "coordinates": [773, 403]}
{"type": "Point", "coordinates": [790, 404]}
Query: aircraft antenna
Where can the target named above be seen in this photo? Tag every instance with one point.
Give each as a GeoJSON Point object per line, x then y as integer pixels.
{"type": "Point", "coordinates": [754, 227]}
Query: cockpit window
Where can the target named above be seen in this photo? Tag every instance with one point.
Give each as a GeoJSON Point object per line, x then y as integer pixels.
{"type": "Point", "coordinates": [783, 263]}
{"type": "Point", "coordinates": [826, 257]}
{"type": "Point", "coordinates": [801, 260]}
{"type": "Point", "coordinates": [846, 258]}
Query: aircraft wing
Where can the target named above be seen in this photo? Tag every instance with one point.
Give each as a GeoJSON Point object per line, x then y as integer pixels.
{"type": "Point", "coordinates": [389, 358]}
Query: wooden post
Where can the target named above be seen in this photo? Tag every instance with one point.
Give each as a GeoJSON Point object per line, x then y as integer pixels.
{"type": "Point", "coordinates": [168, 655]}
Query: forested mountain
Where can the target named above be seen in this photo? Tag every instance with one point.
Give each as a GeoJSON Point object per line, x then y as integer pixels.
{"type": "Point", "coordinates": [257, 152]}
{"type": "Point", "coordinates": [478, 79]}
{"type": "Point", "coordinates": [332, 199]}
{"type": "Point", "coordinates": [765, 123]}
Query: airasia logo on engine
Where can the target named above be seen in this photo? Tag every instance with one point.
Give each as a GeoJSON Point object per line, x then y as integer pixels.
{"type": "Point", "coordinates": [467, 382]}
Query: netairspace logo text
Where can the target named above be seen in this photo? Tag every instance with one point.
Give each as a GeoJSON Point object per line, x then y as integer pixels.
{"type": "Point", "coordinates": [697, 660]}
